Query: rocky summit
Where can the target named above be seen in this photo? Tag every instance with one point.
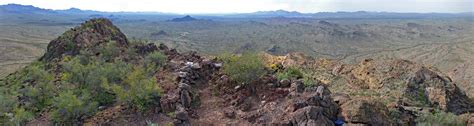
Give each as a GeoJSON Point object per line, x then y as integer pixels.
{"type": "Point", "coordinates": [89, 34]}
{"type": "Point", "coordinates": [94, 75]}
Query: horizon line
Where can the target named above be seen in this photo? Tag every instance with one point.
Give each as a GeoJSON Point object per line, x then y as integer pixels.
{"type": "Point", "coordinates": [230, 13]}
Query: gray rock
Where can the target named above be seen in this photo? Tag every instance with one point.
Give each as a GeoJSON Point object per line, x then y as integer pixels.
{"type": "Point", "coordinates": [229, 113]}
{"type": "Point", "coordinates": [320, 91]}
{"type": "Point", "coordinates": [310, 116]}
{"type": "Point", "coordinates": [297, 86]}
{"type": "Point", "coordinates": [182, 74]}
{"type": "Point", "coordinates": [185, 98]}
{"type": "Point", "coordinates": [285, 83]}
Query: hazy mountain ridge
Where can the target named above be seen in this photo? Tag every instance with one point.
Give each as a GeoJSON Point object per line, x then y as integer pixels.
{"type": "Point", "coordinates": [17, 8]}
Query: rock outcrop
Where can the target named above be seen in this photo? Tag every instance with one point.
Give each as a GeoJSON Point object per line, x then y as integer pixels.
{"type": "Point", "coordinates": [365, 111]}
{"type": "Point", "coordinates": [89, 34]}
{"type": "Point", "coordinates": [406, 83]}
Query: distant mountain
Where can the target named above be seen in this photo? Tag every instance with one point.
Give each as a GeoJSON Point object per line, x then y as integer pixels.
{"type": "Point", "coordinates": [183, 19]}
{"type": "Point", "coordinates": [275, 13]}
{"type": "Point", "coordinates": [78, 11]}
{"type": "Point", "coordinates": [17, 8]}
{"type": "Point", "coordinates": [28, 9]}
{"type": "Point", "coordinates": [279, 13]}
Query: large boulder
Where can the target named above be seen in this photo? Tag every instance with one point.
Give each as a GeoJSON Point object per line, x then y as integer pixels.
{"type": "Point", "coordinates": [310, 116]}
{"type": "Point", "coordinates": [365, 111]}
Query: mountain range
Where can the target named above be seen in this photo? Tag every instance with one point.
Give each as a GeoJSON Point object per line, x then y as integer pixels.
{"type": "Point", "coordinates": [17, 8]}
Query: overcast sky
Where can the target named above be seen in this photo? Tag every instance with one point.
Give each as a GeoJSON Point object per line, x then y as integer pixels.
{"type": "Point", "coordinates": [242, 6]}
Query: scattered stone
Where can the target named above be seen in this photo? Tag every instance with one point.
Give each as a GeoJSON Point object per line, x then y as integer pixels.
{"type": "Point", "coordinates": [185, 98]}
{"type": "Point", "coordinates": [181, 117]}
{"type": "Point", "coordinates": [320, 91]}
{"type": "Point", "coordinates": [237, 87]}
{"type": "Point", "coordinates": [184, 86]}
{"type": "Point", "coordinates": [182, 74]}
{"type": "Point", "coordinates": [299, 104]}
{"type": "Point", "coordinates": [297, 86]}
{"type": "Point", "coordinates": [167, 103]}
{"type": "Point", "coordinates": [229, 113]}
{"type": "Point", "coordinates": [285, 83]}
{"type": "Point", "coordinates": [218, 65]}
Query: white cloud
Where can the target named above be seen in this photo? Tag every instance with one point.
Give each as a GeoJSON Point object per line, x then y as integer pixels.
{"type": "Point", "coordinates": [231, 6]}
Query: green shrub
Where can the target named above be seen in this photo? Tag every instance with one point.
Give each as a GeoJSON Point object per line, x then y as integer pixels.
{"type": "Point", "coordinates": [90, 76]}
{"type": "Point", "coordinates": [21, 115]}
{"type": "Point", "coordinates": [138, 90]}
{"type": "Point", "coordinates": [289, 73]}
{"type": "Point", "coordinates": [81, 84]}
{"type": "Point", "coordinates": [109, 51]}
{"type": "Point", "coordinates": [34, 85]}
{"type": "Point", "coordinates": [154, 60]}
{"type": "Point", "coordinates": [308, 82]}
{"type": "Point", "coordinates": [439, 118]}
{"type": "Point", "coordinates": [71, 108]}
{"type": "Point", "coordinates": [243, 69]}
{"type": "Point", "coordinates": [7, 104]}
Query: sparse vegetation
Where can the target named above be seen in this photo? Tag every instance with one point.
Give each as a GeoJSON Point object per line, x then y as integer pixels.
{"type": "Point", "coordinates": [154, 60]}
{"type": "Point", "coordinates": [138, 90]}
{"type": "Point", "coordinates": [243, 69]}
{"type": "Point", "coordinates": [290, 73]}
{"type": "Point", "coordinates": [83, 83]}
{"type": "Point", "coordinates": [439, 118]}
{"type": "Point", "coordinates": [71, 108]}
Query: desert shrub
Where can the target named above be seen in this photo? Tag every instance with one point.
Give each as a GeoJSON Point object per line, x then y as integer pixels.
{"type": "Point", "coordinates": [154, 60]}
{"type": "Point", "coordinates": [80, 84]}
{"type": "Point", "coordinates": [91, 75]}
{"type": "Point", "coordinates": [34, 85]}
{"type": "Point", "coordinates": [439, 118]}
{"type": "Point", "coordinates": [71, 108]}
{"type": "Point", "coordinates": [7, 104]}
{"type": "Point", "coordinates": [243, 69]}
{"type": "Point", "coordinates": [308, 82]}
{"type": "Point", "coordinates": [39, 93]}
{"type": "Point", "coordinates": [138, 90]}
{"type": "Point", "coordinates": [109, 51]}
{"type": "Point", "coordinates": [290, 73]}
{"type": "Point", "coordinates": [21, 115]}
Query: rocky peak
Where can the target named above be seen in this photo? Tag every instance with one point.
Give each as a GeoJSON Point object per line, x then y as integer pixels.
{"type": "Point", "coordinates": [89, 34]}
